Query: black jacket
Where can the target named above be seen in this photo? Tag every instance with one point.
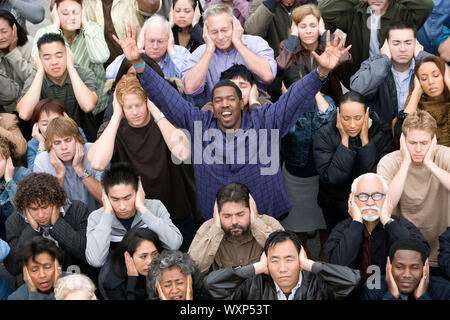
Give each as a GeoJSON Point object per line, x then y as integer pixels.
{"type": "Point", "coordinates": [346, 242]}
{"type": "Point", "coordinates": [444, 253]}
{"type": "Point", "coordinates": [325, 282]}
{"type": "Point", "coordinates": [115, 287]}
{"type": "Point", "coordinates": [438, 289]}
{"type": "Point", "coordinates": [338, 166]}
{"type": "Point", "coordinates": [69, 231]}
{"type": "Point", "coordinates": [375, 81]}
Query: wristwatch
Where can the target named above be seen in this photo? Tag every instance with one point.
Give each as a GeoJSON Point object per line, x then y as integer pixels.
{"type": "Point", "coordinates": [402, 115]}
{"type": "Point", "coordinates": [389, 222]}
{"type": "Point", "coordinates": [321, 76]}
{"type": "Point", "coordinates": [161, 115]}
{"type": "Point", "coordinates": [84, 175]}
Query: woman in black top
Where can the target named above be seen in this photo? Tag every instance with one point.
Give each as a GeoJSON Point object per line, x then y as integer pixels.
{"type": "Point", "coordinates": [123, 276]}
{"type": "Point", "coordinates": [185, 21]}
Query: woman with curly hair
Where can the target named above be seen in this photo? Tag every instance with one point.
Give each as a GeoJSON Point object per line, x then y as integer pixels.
{"type": "Point", "coordinates": [42, 208]}
{"type": "Point", "coordinates": [173, 275]}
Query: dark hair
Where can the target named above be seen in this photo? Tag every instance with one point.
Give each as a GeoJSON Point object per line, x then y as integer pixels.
{"type": "Point", "coordinates": [194, 3]}
{"type": "Point", "coordinates": [440, 64]}
{"type": "Point", "coordinates": [57, 2]}
{"type": "Point", "coordinates": [35, 246]}
{"type": "Point", "coordinates": [293, 74]}
{"type": "Point", "coordinates": [132, 239]}
{"type": "Point", "coordinates": [409, 244]}
{"type": "Point", "coordinates": [39, 188]}
{"type": "Point", "coordinates": [120, 173]}
{"type": "Point", "coordinates": [126, 65]}
{"type": "Point", "coordinates": [353, 96]}
{"type": "Point", "coordinates": [233, 192]}
{"type": "Point", "coordinates": [49, 38]}
{"type": "Point", "coordinates": [398, 25]}
{"type": "Point", "coordinates": [238, 70]}
{"type": "Point", "coordinates": [47, 105]}
{"type": "Point", "coordinates": [21, 32]}
{"type": "Point", "coordinates": [227, 83]}
{"type": "Point", "coordinates": [281, 236]}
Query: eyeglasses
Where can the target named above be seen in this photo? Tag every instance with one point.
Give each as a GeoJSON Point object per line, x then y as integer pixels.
{"type": "Point", "coordinates": [376, 196]}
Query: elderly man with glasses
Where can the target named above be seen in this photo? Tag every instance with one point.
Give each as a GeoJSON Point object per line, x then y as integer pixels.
{"type": "Point", "coordinates": [364, 239]}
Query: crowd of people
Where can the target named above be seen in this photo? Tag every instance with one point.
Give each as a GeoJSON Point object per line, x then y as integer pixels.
{"type": "Point", "coordinates": [192, 150]}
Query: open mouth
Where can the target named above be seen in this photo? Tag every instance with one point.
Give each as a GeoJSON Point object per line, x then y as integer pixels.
{"type": "Point", "coordinates": [226, 115]}
{"type": "Point", "coordinates": [44, 284]}
{"type": "Point", "coordinates": [179, 297]}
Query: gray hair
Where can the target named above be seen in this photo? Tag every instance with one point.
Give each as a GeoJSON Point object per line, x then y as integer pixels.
{"type": "Point", "coordinates": [74, 282]}
{"type": "Point", "coordinates": [168, 259]}
{"type": "Point", "coordinates": [216, 10]}
{"type": "Point", "coordinates": [155, 19]}
{"type": "Point", "coordinates": [369, 176]}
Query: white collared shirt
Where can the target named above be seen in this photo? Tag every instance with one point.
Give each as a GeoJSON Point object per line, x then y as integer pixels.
{"type": "Point", "coordinates": [280, 293]}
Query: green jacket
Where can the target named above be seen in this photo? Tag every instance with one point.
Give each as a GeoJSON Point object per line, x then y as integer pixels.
{"type": "Point", "coordinates": [353, 18]}
{"type": "Point", "coordinates": [272, 27]}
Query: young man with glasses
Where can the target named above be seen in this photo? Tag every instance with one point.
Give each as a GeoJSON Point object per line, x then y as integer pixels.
{"type": "Point", "coordinates": [364, 239]}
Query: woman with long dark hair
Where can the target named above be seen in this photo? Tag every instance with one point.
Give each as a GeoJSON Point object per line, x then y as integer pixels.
{"type": "Point", "coordinates": [185, 19]}
{"type": "Point", "coordinates": [16, 63]}
{"type": "Point", "coordinates": [123, 277]}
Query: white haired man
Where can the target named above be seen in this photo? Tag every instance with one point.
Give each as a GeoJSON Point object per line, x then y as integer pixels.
{"type": "Point", "coordinates": [365, 237]}
{"type": "Point", "coordinates": [157, 40]}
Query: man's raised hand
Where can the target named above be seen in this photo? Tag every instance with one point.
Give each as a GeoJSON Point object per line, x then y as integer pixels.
{"type": "Point", "coordinates": [329, 59]}
{"type": "Point", "coordinates": [129, 45]}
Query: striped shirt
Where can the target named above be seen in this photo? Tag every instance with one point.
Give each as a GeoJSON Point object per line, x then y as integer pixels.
{"type": "Point", "coordinates": [267, 188]}
{"type": "Point", "coordinates": [90, 50]}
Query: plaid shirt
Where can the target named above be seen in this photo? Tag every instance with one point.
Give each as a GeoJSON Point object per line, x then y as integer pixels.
{"type": "Point", "coordinates": [267, 190]}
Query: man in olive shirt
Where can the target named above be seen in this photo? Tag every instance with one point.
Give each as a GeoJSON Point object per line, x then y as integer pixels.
{"type": "Point", "coordinates": [57, 77]}
{"type": "Point", "coordinates": [236, 234]}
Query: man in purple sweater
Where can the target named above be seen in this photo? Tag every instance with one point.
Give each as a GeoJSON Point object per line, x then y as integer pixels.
{"type": "Point", "coordinates": [221, 162]}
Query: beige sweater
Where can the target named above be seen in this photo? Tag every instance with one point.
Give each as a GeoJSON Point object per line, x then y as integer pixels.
{"type": "Point", "coordinates": [424, 201]}
{"type": "Point", "coordinates": [211, 247]}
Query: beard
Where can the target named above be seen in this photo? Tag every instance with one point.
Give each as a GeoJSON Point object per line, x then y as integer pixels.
{"type": "Point", "coordinates": [370, 218]}
{"type": "Point", "coordinates": [236, 234]}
